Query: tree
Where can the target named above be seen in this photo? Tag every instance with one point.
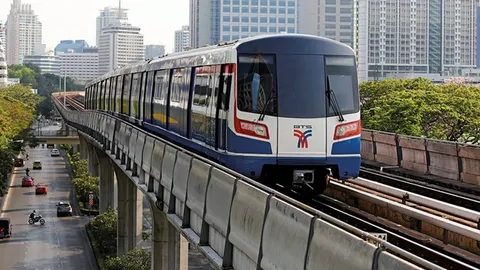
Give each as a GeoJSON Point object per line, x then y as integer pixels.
{"type": "Point", "coordinates": [135, 259]}
{"type": "Point", "coordinates": [104, 230]}
{"type": "Point", "coordinates": [419, 108]}
{"type": "Point", "coordinates": [25, 74]}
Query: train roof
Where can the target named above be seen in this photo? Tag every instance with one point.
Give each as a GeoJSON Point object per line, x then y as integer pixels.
{"type": "Point", "coordinates": [265, 44]}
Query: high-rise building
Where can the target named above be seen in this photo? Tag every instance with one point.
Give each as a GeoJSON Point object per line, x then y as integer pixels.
{"type": "Point", "coordinates": [120, 45]}
{"type": "Point", "coordinates": [3, 65]}
{"type": "Point", "coordinates": [182, 39]}
{"type": "Point", "coordinates": [81, 66]}
{"type": "Point", "coordinates": [48, 63]}
{"type": "Point", "coordinates": [24, 32]}
{"type": "Point", "coordinates": [152, 51]}
{"type": "Point", "coordinates": [3, 35]}
{"type": "Point", "coordinates": [409, 37]}
{"type": "Point", "coordinates": [212, 21]}
{"type": "Point", "coordinates": [110, 16]}
{"type": "Point", "coordinates": [327, 18]}
{"type": "Point", "coordinates": [69, 45]}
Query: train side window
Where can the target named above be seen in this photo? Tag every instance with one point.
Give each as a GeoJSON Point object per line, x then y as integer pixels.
{"type": "Point", "coordinates": [118, 95]}
{"type": "Point", "coordinates": [199, 103]}
{"type": "Point", "coordinates": [127, 83]}
{"type": "Point", "coordinates": [160, 95]}
{"type": "Point", "coordinates": [256, 84]}
{"type": "Point", "coordinates": [143, 82]}
{"type": "Point", "coordinates": [95, 105]}
{"type": "Point", "coordinates": [134, 106]}
{"type": "Point", "coordinates": [149, 96]}
{"type": "Point", "coordinates": [112, 93]}
{"type": "Point", "coordinates": [107, 95]}
{"type": "Point", "coordinates": [101, 97]}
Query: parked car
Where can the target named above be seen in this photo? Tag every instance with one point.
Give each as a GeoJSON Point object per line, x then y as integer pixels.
{"type": "Point", "coordinates": [37, 165]}
{"type": "Point", "coordinates": [41, 188]}
{"type": "Point", "coordinates": [64, 208]}
{"type": "Point", "coordinates": [18, 162]}
{"type": "Point", "coordinates": [55, 153]}
{"type": "Point", "coordinates": [50, 145]}
{"type": "Point", "coordinates": [28, 181]}
{"type": "Point", "coordinates": [5, 228]}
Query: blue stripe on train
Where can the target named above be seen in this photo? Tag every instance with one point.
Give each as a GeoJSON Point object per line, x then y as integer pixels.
{"type": "Point", "coordinates": [347, 147]}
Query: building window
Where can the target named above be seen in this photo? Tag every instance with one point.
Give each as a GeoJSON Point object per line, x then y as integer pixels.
{"type": "Point", "coordinates": [236, 2]}
{"type": "Point", "coordinates": [291, 30]}
{"type": "Point", "coordinates": [281, 11]}
{"type": "Point", "coordinates": [291, 3]}
{"type": "Point", "coordinates": [245, 19]}
{"type": "Point", "coordinates": [273, 2]}
{"type": "Point", "coordinates": [272, 29]}
{"type": "Point", "coordinates": [345, 19]}
{"type": "Point", "coordinates": [226, 28]}
{"type": "Point", "coordinates": [254, 20]}
{"type": "Point", "coordinates": [226, 2]}
{"type": "Point", "coordinates": [264, 10]}
{"type": "Point", "coordinates": [226, 9]}
{"type": "Point", "coordinates": [244, 28]}
{"type": "Point", "coordinates": [330, 10]}
{"type": "Point", "coordinates": [235, 29]}
{"type": "Point", "coordinates": [263, 29]}
{"type": "Point", "coordinates": [254, 29]}
{"type": "Point", "coordinates": [330, 33]}
{"type": "Point", "coordinates": [254, 10]}
{"type": "Point", "coordinates": [244, 9]}
{"type": "Point", "coordinates": [281, 20]}
{"type": "Point", "coordinates": [281, 29]}
{"type": "Point", "coordinates": [226, 18]}
{"type": "Point", "coordinates": [264, 3]}
{"type": "Point", "coordinates": [330, 18]}
{"type": "Point", "coordinates": [235, 37]}
{"type": "Point", "coordinates": [235, 9]}
{"type": "Point", "coordinates": [330, 26]}
{"type": "Point", "coordinates": [273, 20]}
{"type": "Point", "coordinates": [331, 2]}
{"type": "Point", "coordinates": [346, 10]}
{"type": "Point", "coordinates": [235, 19]}
{"type": "Point", "coordinates": [254, 2]}
{"type": "Point", "coordinates": [291, 20]}
{"type": "Point", "coordinates": [291, 11]}
{"type": "Point", "coordinates": [263, 19]}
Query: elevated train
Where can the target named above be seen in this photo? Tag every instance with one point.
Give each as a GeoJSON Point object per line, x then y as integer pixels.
{"type": "Point", "coordinates": [278, 108]}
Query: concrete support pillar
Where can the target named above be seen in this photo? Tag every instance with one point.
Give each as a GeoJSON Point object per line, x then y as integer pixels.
{"type": "Point", "coordinates": [106, 181]}
{"type": "Point", "coordinates": [83, 147]}
{"type": "Point", "coordinates": [76, 148]}
{"type": "Point", "coordinates": [130, 214]}
{"type": "Point", "coordinates": [170, 248]}
{"type": "Point", "coordinates": [92, 160]}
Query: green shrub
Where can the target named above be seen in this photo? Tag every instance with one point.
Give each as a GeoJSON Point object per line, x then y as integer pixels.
{"type": "Point", "coordinates": [135, 259]}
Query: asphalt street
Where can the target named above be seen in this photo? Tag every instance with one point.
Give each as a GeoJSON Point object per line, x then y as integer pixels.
{"type": "Point", "coordinates": [59, 244]}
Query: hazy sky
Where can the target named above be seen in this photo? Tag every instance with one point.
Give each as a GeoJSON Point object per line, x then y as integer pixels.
{"type": "Point", "coordinates": [76, 19]}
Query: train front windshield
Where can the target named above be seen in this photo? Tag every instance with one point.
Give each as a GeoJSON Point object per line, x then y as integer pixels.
{"type": "Point", "coordinates": [294, 86]}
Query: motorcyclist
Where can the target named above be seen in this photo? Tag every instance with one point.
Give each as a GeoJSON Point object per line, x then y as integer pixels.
{"type": "Point", "coordinates": [32, 215]}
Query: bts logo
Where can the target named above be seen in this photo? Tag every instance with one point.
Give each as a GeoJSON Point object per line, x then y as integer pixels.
{"type": "Point", "coordinates": [302, 135]}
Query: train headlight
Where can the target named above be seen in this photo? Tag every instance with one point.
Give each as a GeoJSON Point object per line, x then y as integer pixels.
{"type": "Point", "coordinates": [347, 130]}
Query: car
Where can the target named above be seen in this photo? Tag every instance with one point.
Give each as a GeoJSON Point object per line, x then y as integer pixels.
{"type": "Point", "coordinates": [28, 181]}
{"type": "Point", "coordinates": [55, 153]}
{"type": "Point", "coordinates": [56, 124]}
{"type": "Point", "coordinates": [50, 145]}
{"type": "Point", "coordinates": [41, 188]}
{"type": "Point", "coordinates": [64, 208]}
{"type": "Point", "coordinates": [18, 162]}
{"type": "Point", "coordinates": [5, 228]}
{"type": "Point", "coordinates": [37, 164]}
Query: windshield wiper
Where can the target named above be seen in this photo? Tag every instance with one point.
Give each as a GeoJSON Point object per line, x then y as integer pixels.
{"type": "Point", "coordinates": [265, 106]}
{"type": "Point", "coordinates": [333, 102]}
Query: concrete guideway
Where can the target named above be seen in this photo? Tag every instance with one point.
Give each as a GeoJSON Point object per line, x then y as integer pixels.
{"type": "Point", "coordinates": [234, 221]}
{"type": "Point", "coordinates": [59, 244]}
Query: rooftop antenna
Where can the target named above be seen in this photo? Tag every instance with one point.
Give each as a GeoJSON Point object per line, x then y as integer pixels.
{"type": "Point", "coordinates": [119, 8]}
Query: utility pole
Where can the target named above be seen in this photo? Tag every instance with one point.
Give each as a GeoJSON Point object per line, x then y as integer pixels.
{"type": "Point", "coordinates": [65, 89]}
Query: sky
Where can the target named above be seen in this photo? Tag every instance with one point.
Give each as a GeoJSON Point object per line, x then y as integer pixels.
{"type": "Point", "coordinates": [76, 19]}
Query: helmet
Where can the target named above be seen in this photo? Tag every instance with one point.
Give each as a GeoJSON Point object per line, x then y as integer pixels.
{"type": "Point", "coordinates": [34, 211]}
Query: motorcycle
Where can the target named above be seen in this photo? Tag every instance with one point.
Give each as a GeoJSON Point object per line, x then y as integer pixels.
{"type": "Point", "coordinates": [36, 219]}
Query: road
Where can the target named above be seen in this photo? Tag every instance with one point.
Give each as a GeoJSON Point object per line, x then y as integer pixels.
{"type": "Point", "coordinates": [59, 244]}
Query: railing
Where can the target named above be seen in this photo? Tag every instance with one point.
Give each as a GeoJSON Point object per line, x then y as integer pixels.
{"type": "Point", "coordinates": [55, 133]}
{"type": "Point", "coordinates": [234, 221]}
{"type": "Point", "coordinates": [455, 161]}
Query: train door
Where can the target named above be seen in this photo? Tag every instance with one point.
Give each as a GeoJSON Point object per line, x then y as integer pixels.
{"type": "Point", "coordinates": [302, 125]}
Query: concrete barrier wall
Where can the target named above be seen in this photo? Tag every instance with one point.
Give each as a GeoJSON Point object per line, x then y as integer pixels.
{"type": "Point", "coordinates": [455, 161]}
{"type": "Point", "coordinates": [235, 222]}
